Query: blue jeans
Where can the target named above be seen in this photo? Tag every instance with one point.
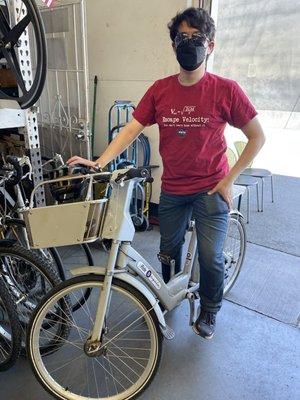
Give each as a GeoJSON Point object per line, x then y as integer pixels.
{"type": "Point", "coordinates": [210, 213]}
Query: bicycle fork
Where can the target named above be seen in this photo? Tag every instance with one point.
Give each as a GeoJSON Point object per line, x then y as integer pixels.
{"type": "Point", "coordinates": [104, 297]}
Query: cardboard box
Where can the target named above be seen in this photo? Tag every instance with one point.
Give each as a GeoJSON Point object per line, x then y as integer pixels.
{"type": "Point", "coordinates": [7, 79]}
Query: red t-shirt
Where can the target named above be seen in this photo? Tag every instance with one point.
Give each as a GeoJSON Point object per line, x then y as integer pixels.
{"type": "Point", "coordinates": [192, 121]}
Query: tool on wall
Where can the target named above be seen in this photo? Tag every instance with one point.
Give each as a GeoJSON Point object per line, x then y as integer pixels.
{"type": "Point", "coordinates": [94, 116]}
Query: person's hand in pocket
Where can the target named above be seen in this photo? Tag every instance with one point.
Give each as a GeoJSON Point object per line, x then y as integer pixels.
{"type": "Point", "coordinates": [224, 188]}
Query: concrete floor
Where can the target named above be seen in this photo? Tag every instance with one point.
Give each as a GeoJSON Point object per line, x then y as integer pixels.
{"type": "Point", "coordinates": [251, 357]}
{"type": "Point", "coordinates": [255, 353]}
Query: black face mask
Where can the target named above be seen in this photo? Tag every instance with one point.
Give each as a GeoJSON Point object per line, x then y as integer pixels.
{"type": "Point", "coordinates": [190, 56]}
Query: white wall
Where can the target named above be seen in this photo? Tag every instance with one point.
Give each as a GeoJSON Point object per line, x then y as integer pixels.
{"type": "Point", "coordinates": [130, 48]}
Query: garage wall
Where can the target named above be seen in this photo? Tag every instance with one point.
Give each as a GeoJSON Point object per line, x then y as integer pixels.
{"type": "Point", "coordinates": [129, 48]}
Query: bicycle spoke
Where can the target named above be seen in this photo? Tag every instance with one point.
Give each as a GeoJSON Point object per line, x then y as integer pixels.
{"type": "Point", "coordinates": [114, 383]}
{"type": "Point", "coordinates": [15, 33]}
{"type": "Point", "coordinates": [127, 355]}
{"type": "Point", "coordinates": [124, 319]}
{"type": "Point", "coordinates": [98, 362]}
{"type": "Point", "coordinates": [67, 363]}
{"type": "Point", "coordinates": [14, 66]}
{"type": "Point", "coordinates": [95, 379]}
{"type": "Point", "coordinates": [124, 363]}
{"type": "Point", "coordinates": [4, 352]}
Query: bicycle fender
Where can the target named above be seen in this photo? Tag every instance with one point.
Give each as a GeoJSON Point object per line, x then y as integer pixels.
{"type": "Point", "coordinates": [130, 280]}
{"type": "Point", "coordinates": [237, 213]}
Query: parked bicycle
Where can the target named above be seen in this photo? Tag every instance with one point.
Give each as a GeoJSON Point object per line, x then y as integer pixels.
{"type": "Point", "coordinates": [27, 276]}
{"type": "Point", "coordinates": [114, 341]}
{"type": "Point", "coordinates": [10, 330]}
{"type": "Point", "coordinates": [13, 227]}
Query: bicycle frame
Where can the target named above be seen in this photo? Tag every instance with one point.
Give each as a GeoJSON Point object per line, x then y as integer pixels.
{"type": "Point", "coordinates": [20, 202]}
{"type": "Point", "coordinates": [124, 260]}
{"type": "Point", "coordinates": [125, 263]}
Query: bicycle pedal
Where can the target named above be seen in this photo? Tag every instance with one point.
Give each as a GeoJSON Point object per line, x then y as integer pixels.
{"type": "Point", "coordinates": [168, 332]}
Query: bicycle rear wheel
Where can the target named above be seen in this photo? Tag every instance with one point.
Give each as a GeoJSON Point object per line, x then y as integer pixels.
{"type": "Point", "coordinates": [125, 361]}
{"type": "Point", "coordinates": [10, 330]}
{"type": "Point", "coordinates": [234, 250]}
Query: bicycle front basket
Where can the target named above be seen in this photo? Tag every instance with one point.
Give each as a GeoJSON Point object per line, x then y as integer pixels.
{"type": "Point", "coordinates": [64, 224]}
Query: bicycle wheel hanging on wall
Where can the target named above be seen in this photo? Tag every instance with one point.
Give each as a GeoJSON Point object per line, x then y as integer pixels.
{"type": "Point", "coordinates": [14, 39]}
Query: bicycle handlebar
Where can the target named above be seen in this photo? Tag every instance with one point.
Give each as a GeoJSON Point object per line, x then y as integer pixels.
{"type": "Point", "coordinates": [103, 177]}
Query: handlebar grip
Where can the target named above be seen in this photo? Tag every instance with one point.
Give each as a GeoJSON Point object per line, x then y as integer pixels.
{"type": "Point", "coordinates": [138, 173]}
{"type": "Point", "coordinates": [134, 173]}
{"type": "Point", "coordinates": [81, 169]}
{"type": "Point", "coordinates": [18, 173]}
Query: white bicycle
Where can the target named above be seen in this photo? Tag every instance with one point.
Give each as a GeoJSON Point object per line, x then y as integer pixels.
{"type": "Point", "coordinates": [111, 347]}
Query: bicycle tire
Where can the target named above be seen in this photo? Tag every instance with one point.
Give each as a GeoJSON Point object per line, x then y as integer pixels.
{"type": "Point", "coordinates": [28, 277]}
{"type": "Point", "coordinates": [236, 218]}
{"type": "Point", "coordinates": [10, 347]}
{"type": "Point", "coordinates": [56, 258]}
{"type": "Point", "coordinates": [65, 289]}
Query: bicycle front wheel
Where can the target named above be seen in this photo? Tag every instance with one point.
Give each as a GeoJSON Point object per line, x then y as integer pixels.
{"type": "Point", "coordinates": [120, 366]}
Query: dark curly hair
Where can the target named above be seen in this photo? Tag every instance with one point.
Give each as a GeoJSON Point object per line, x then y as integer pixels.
{"type": "Point", "coordinates": [196, 18]}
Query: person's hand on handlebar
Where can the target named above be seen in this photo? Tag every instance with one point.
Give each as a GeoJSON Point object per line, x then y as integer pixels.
{"type": "Point", "coordinates": [82, 161]}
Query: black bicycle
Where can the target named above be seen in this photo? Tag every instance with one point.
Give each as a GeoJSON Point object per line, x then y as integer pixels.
{"type": "Point", "coordinates": [10, 330]}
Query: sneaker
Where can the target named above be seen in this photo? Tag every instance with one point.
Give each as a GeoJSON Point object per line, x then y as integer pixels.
{"type": "Point", "coordinates": [205, 324]}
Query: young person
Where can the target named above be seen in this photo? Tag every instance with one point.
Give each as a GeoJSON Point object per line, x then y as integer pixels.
{"type": "Point", "coordinates": [192, 109]}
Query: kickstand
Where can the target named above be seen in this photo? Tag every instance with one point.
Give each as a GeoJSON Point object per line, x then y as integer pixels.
{"type": "Point", "coordinates": [191, 298]}
{"type": "Point", "coordinates": [172, 268]}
